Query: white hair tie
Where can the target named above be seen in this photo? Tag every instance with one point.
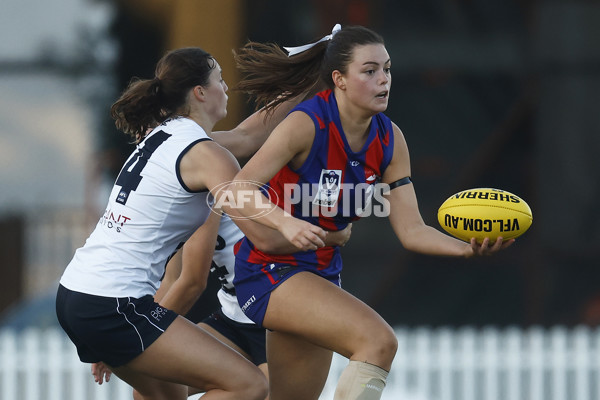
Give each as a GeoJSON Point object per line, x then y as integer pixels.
{"type": "Point", "coordinates": [299, 49]}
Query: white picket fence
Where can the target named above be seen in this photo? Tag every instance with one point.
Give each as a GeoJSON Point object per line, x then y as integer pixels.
{"type": "Point", "coordinates": [431, 364]}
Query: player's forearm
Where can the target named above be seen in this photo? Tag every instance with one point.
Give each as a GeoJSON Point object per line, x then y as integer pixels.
{"type": "Point", "coordinates": [267, 239]}
{"type": "Point", "coordinates": [428, 240]}
{"type": "Point", "coordinates": [246, 201]}
{"type": "Point", "coordinates": [182, 296]}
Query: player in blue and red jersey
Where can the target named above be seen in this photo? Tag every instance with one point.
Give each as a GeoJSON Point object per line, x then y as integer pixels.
{"type": "Point", "coordinates": [335, 168]}
{"type": "Point", "coordinates": [321, 166]}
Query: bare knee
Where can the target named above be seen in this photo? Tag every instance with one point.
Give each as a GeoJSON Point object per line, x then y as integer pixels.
{"type": "Point", "coordinates": [161, 393]}
{"type": "Point", "coordinates": [256, 389]}
{"type": "Point", "coordinates": [379, 347]}
{"type": "Point", "coordinates": [386, 345]}
{"type": "Point", "coordinates": [252, 386]}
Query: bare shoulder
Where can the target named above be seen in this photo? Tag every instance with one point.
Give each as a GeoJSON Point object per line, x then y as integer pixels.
{"type": "Point", "coordinates": [208, 153]}
{"type": "Point", "coordinates": [292, 138]}
{"type": "Point", "coordinates": [205, 163]}
{"type": "Point", "coordinates": [290, 141]}
{"type": "Point", "coordinates": [400, 145]}
{"type": "Point", "coordinates": [297, 129]}
{"type": "Point", "coordinates": [398, 135]}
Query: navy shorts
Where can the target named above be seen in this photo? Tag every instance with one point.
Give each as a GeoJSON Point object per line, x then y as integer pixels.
{"type": "Point", "coordinates": [248, 337]}
{"type": "Point", "coordinates": [108, 329]}
{"type": "Point", "coordinates": [254, 284]}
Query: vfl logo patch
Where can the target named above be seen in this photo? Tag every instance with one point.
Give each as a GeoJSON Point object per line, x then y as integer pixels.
{"type": "Point", "coordinates": [329, 187]}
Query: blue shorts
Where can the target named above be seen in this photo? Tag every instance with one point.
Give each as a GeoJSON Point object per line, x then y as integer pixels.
{"type": "Point", "coordinates": [108, 329]}
{"type": "Point", "coordinates": [248, 337]}
{"type": "Point", "coordinates": [254, 284]}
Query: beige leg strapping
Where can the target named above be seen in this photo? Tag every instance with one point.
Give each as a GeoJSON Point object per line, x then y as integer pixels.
{"type": "Point", "coordinates": [361, 381]}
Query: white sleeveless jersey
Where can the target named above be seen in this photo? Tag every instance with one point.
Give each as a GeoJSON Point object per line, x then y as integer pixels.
{"type": "Point", "coordinates": [150, 213]}
{"type": "Point", "coordinates": [223, 267]}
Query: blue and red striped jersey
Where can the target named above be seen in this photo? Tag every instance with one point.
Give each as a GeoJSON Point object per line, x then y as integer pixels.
{"type": "Point", "coordinates": [333, 186]}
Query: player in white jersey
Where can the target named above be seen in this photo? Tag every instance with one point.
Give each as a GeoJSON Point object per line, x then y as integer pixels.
{"type": "Point", "coordinates": [104, 301]}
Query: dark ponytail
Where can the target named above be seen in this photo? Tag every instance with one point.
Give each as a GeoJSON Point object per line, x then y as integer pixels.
{"type": "Point", "coordinates": [148, 102]}
{"type": "Point", "coordinates": [271, 77]}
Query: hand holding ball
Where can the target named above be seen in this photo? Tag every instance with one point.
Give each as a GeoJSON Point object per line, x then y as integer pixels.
{"type": "Point", "coordinates": [485, 212]}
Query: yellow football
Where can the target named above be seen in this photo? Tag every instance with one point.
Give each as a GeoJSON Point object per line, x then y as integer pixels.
{"type": "Point", "coordinates": [485, 212]}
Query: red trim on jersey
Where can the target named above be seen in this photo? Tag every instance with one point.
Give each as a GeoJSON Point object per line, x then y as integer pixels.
{"type": "Point", "coordinates": [325, 95]}
{"type": "Point", "coordinates": [321, 123]}
{"type": "Point", "coordinates": [324, 256]}
{"type": "Point", "coordinates": [386, 139]}
{"type": "Point", "coordinates": [258, 257]}
{"type": "Point", "coordinates": [277, 184]}
{"type": "Point", "coordinates": [236, 247]}
{"type": "Point", "coordinates": [336, 159]}
{"type": "Point", "coordinates": [373, 157]}
{"type": "Point", "coordinates": [254, 257]}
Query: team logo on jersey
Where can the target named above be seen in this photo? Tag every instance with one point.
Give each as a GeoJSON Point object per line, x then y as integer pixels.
{"type": "Point", "coordinates": [329, 187]}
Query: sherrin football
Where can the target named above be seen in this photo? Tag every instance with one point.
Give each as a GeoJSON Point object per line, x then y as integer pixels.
{"type": "Point", "coordinates": [485, 212]}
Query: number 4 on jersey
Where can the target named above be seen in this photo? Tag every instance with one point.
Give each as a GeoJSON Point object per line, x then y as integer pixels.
{"type": "Point", "coordinates": [130, 176]}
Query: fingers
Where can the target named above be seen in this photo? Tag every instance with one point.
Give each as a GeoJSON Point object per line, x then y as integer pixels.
{"type": "Point", "coordinates": [501, 244]}
{"type": "Point", "coordinates": [96, 373]}
{"type": "Point", "coordinates": [349, 231]}
{"type": "Point", "coordinates": [319, 235]}
{"type": "Point", "coordinates": [507, 243]}
{"type": "Point", "coordinates": [101, 373]}
{"type": "Point", "coordinates": [486, 249]}
{"type": "Point", "coordinates": [309, 237]}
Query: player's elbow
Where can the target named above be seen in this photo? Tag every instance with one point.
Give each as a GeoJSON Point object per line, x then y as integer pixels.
{"type": "Point", "coordinates": [411, 237]}
{"type": "Point", "coordinates": [246, 145]}
{"type": "Point", "coordinates": [195, 287]}
{"type": "Point", "coordinates": [199, 287]}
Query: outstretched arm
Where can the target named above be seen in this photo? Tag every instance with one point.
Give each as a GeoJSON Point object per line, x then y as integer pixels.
{"type": "Point", "coordinates": [406, 219]}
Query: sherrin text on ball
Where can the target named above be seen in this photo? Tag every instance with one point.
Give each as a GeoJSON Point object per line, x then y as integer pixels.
{"type": "Point", "coordinates": [485, 212]}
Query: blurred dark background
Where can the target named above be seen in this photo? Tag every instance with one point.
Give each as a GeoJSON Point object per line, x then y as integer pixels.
{"type": "Point", "coordinates": [493, 93]}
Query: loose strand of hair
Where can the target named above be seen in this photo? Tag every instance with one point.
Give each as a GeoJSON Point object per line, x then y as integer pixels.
{"type": "Point", "coordinates": [271, 77]}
